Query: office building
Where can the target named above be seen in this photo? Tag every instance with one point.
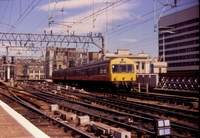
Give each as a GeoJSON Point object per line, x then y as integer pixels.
{"type": "Point", "coordinates": [179, 40]}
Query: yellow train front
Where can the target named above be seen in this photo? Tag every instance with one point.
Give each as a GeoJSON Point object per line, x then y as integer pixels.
{"type": "Point", "coordinates": [122, 73]}
{"type": "Point", "coordinates": [115, 74]}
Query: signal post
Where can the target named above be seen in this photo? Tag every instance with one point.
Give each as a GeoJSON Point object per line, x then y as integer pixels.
{"type": "Point", "coordinates": [9, 69]}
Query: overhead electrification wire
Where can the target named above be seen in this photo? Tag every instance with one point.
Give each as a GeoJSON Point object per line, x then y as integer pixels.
{"type": "Point", "coordinates": [127, 28]}
{"type": "Point", "coordinates": [10, 12]}
{"type": "Point", "coordinates": [142, 42]}
{"type": "Point", "coordinates": [21, 16]}
{"type": "Point", "coordinates": [107, 8]}
{"type": "Point", "coordinates": [130, 21]}
{"type": "Point", "coordinates": [54, 18]}
{"type": "Point", "coordinates": [45, 19]}
{"type": "Point", "coordinates": [20, 20]}
{"type": "Point", "coordinates": [20, 4]}
{"type": "Point", "coordinates": [4, 11]}
{"type": "Point", "coordinates": [151, 39]}
{"type": "Point", "coordinates": [95, 13]}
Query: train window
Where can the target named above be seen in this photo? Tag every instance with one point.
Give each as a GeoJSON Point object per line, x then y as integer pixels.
{"type": "Point", "coordinates": [90, 71]}
{"type": "Point", "coordinates": [101, 70]}
{"type": "Point", "coordinates": [104, 70]}
{"type": "Point", "coordinates": [98, 70]}
{"type": "Point", "coordinates": [115, 68]}
{"type": "Point", "coordinates": [78, 72]}
{"type": "Point", "coordinates": [122, 68]}
{"type": "Point", "coordinates": [93, 71]}
{"type": "Point", "coordinates": [130, 68]}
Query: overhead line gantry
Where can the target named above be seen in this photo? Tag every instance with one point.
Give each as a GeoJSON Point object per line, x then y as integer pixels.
{"type": "Point", "coordinates": [22, 39]}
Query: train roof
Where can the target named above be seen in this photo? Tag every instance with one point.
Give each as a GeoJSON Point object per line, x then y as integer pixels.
{"type": "Point", "coordinates": [92, 64]}
{"type": "Point", "coordinates": [83, 66]}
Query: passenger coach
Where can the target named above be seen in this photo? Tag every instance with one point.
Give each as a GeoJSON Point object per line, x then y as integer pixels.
{"type": "Point", "coordinates": [114, 74]}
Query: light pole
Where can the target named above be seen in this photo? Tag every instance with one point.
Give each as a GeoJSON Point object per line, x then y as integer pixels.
{"type": "Point", "coordinates": [165, 31]}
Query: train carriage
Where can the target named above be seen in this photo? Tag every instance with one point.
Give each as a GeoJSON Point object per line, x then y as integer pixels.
{"type": "Point", "coordinates": [115, 74]}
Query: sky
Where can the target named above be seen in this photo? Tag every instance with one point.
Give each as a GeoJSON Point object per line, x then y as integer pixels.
{"type": "Point", "coordinates": [126, 24]}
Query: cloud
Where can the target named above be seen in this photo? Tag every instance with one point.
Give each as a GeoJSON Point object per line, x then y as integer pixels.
{"type": "Point", "coordinates": [73, 4]}
{"type": "Point", "coordinates": [83, 17]}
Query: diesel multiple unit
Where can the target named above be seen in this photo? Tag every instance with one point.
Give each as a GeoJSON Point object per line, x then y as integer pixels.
{"type": "Point", "coordinates": [114, 74]}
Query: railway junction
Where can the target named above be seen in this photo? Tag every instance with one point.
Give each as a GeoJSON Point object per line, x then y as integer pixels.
{"type": "Point", "coordinates": [65, 91]}
{"type": "Point", "coordinates": [79, 113]}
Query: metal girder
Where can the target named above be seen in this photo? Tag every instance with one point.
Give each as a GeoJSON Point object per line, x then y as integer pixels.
{"type": "Point", "coordinates": [25, 48]}
{"type": "Point", "coordinates": [29, 57]}
{"type": "Point", "coordinates": [23, 39]}
{"type": "Point", "coordinates": [47, 38]}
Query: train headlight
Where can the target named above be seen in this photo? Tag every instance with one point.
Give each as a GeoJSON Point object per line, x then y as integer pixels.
{"type": "Point", "coordinates": [131, 78]}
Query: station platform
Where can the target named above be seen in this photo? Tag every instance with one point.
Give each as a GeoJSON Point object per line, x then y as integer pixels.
{"type": "Point", "coordinates": [14, 125]}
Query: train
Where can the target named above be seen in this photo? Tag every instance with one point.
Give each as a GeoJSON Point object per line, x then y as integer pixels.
{"type": "Point", "coordinates": [114, 74]}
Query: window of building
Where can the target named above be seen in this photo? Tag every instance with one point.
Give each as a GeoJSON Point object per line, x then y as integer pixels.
{"type": "Point", "coordinates": [30, 71]}
{"type": "Point", "coordinates": [137, 65]}
{"type": "Point", "coordinates": [41, 71]}
{"type": "Point", "coordinates": [194, 63]}
{"type": "Point", "coordinates": [143, 64]}
{"type": "Point", "coordinates": [37, 71]}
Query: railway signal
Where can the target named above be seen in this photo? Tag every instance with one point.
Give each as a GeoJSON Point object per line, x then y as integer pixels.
{"type": "Point", "coordinates": [4, 60]}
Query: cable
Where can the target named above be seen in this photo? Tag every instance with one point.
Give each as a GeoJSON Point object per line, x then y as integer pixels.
{"type": "Point", "coordinates": [5, 10]}
{"type": "Point", "coordinates": [10, 13]}
{"type": "Point", "coordinates": [18, 22]}
{"type": "Point", "coordinates": [90, 16]}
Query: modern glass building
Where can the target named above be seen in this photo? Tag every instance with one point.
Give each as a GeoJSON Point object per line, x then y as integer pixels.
{"type": "Point", "coordinates": [179, 40]}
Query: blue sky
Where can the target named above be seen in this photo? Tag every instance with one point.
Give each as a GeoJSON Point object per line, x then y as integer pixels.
{"type": "Point", "coordinates": [126, 24]}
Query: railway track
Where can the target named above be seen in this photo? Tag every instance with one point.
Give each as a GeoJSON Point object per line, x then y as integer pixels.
{"type": "Point", "coordinates": [127, 106]}
{"type": "Point", "coordinates": [176, 126]}
{"type": "Point", "coordinates": [163, 98]}
{"type": "Point", "coordinates": [150, 110]}
{"type": "Point", "coordinates": [95, 117]}
{"type": "Point", "coordinates": [118, 112]}
{"type": "Point", "coordinates": [187, 99]}
{"type": "Point", "coordinates": [44, 120]}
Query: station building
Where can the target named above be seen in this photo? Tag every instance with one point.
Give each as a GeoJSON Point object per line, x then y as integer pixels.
{"type": "Point", "coordinates": [36, 72]}
{"type": "Point", "coordinates": [144, 64]}
{"type": "Point", "coordinates": [179, 40]}
{"type": "Point", "coordinates": [22, 69]}
{"type": "Point", "coordinates": [59, 58]}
